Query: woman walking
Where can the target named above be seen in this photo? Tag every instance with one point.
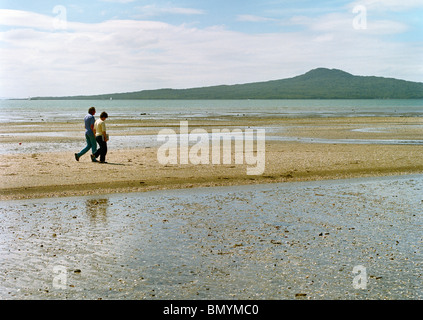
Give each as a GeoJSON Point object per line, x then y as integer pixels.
{"type": "Point", "coordinates": [102, 137]}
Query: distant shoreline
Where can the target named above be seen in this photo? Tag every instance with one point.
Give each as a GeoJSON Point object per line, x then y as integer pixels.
{"type": "Point", "coordinates": [320, 83]}
{"type": "Point", "coordinates": [82, 99]}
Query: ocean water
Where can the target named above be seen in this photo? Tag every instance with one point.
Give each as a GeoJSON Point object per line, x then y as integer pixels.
{"type": "Point", "coordinates": [15, 111]}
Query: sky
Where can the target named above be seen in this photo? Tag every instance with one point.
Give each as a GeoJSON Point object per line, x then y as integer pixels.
{"type": "Point", "coordinates": [75, 47]}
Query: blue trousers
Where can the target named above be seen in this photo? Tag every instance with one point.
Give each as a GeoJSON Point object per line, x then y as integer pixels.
{"type": "Point", "coordinates": [91, 144]}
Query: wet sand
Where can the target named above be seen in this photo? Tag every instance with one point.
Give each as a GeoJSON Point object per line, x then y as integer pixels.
{"type": "Point", "coordinates": [278, 241]}
{"type": "Point", "coordinates": [30, 173]}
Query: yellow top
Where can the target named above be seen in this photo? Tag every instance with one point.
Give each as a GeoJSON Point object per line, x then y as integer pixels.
{"type": "Point", "coordinates": [99, 127]}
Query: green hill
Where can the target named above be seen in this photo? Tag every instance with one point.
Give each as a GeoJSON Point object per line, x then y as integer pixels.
{"type": "Point", "coordinates": [319, 83]}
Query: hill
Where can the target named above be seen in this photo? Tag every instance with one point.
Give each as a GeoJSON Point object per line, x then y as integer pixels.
{"type": "Point", "coordinates": [320, 83]}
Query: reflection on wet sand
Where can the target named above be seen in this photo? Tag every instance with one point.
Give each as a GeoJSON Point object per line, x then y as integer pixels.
{"type": "Point", "coordinates": [96, 210]}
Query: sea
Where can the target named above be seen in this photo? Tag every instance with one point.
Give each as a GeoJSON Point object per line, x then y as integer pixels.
{"type": "Point", "coordinates": [15, 111]}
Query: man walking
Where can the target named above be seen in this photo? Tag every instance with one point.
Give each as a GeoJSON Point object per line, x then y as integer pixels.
{"type": "Point", "coordinates": [89, 121]}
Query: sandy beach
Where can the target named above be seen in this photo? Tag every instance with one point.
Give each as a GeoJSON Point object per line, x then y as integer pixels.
{"type": "Point", "coordinates": [341, 155]}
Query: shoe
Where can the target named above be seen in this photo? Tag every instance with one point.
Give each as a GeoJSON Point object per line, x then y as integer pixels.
{"type": "Point", "coordinates": [76, 157]}
{"type": "Point", "coordinates": [103, 161]}
{"type": "Point", "coordinates": [93, 159]}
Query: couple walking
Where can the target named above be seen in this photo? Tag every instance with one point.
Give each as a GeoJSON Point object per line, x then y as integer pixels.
{"type": "Point", "coordinates": [95, 132]}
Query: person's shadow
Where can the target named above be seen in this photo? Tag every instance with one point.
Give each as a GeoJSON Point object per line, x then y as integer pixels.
{"type": "Point", "coordinates": [113, 164]}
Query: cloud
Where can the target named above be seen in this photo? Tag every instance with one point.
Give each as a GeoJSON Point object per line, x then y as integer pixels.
{"type": "Point", "coordinates": [154, 10]}
{"type": "Point", "coordinates": [388, 5]}
{"type": "Point", "coordinates": [343, 24]}
{"type": "Point", "coordinates": [253, 18]}
{"type": "Point", "coordinates": [26, 19]}
{"type": "Point", "coordinates": [118, 1]}
{"type": "Point", "coordinates": [129, 55]}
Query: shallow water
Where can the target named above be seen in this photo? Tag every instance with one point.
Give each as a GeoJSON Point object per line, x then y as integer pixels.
{"type": "Point", "coordinates": [19, 111]}
{"type": "Point", "coordinates": [66, 144]}
{"type": "Point", "coordinates": [276, 241]}
{"type": "Point", "coordinates": [121, 142]}
{"type": "Point", "coordinates": [22, 113]}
